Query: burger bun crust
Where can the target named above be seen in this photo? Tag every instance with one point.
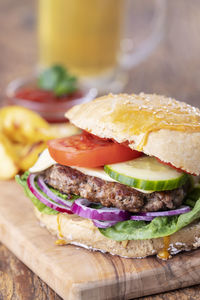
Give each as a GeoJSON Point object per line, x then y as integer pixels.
{"type": "Point", "coordinates": [81, 232]}
{"type": "Point", "coordinates": [180, 148]}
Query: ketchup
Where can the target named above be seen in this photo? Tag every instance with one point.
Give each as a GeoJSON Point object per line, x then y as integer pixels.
{"type": "Point", "coordinates": [43, 96]}
{"type": "Point", "coordinates": [52, 108]}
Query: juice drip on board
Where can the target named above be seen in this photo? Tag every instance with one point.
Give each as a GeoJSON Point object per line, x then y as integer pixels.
{"type": "Point", "coordinates": [164, 253]}
{"type": "Point", "coordinates": [158, 112]}
{"type": "Point", "coordinates": [60, 242]}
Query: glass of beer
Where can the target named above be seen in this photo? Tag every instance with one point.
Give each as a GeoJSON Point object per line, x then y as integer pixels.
{"type": "Point", "coordinates": [88, 38]}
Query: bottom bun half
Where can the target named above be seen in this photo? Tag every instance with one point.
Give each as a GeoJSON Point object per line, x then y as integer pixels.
{"type": "Point", "coordinates": [81, 232]}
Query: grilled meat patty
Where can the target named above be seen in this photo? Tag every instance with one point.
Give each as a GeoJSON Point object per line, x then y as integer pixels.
{"type": "Point", "coordinates": [108, 193]}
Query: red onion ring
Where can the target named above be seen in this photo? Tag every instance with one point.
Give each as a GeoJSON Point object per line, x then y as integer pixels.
{"type": "Point", "coordinates": [142, 218]}
{"type": "Point", "coordinates": [103, 224]}
{"type": "Point", "coordinates": [182, 210]}
{"type": "Point", "coordinates": [42, 198]}
{"type": "Point", "coordinates": [82, 209]}
{"type": "Point", "coordinates": [45, 189]}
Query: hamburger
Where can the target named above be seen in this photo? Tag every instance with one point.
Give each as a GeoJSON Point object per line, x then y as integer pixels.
{"type": "Point", "coordinates": [128, 184]}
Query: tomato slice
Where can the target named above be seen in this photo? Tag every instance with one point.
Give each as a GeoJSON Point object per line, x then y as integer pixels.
{"type": "Point", "coordinates": [87, 150]}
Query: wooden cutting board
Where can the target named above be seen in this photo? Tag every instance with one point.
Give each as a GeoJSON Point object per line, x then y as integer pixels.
{"type": "Point", "coordinates": [75, 273]}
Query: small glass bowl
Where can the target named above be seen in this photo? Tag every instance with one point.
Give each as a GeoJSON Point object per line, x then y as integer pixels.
{"type": "Point", "coordinates": [52, 112]}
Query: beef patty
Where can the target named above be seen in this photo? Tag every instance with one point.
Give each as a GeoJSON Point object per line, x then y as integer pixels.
{"type": "Point", "coordinates": [108, 193]}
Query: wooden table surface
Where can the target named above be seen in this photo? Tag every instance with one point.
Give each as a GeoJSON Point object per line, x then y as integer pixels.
{"type": "Point", "coordinates": [173, 69]}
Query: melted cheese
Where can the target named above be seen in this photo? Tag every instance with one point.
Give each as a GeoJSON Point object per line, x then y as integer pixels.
{"type": "Point", "coordinates": [45, 161]}
{"type": "Point", "coordinates": [59, 226]}
{"type": "Point", "coordinates": [164, 252]}
{"type": "Point", "coordinates": [96, 172]}
{"type": "Point", "coordinates": [60, 242]}
{"type": "Point", "coordinates": [125, 243]}
{"type": "Point", "coordinates": [161, 113]}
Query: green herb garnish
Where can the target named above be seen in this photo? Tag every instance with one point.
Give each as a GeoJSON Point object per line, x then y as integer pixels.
{"type": "Point", "coordinates": [58, 80]}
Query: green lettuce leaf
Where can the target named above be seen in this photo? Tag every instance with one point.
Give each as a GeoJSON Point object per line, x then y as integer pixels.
{"type": "Point", "coordinates": [40, 206]}
{"type": "Point", "coordinates": [158, 227]}
{"type": "Point", "coordinates": [71, 198]}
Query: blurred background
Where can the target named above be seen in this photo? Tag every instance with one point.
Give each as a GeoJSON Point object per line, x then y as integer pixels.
{"type": "Point", "coordinates": [172, 69]}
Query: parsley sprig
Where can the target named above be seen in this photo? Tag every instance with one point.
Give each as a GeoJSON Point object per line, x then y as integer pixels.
{"type": "Point", "coordinates": [58, 80]}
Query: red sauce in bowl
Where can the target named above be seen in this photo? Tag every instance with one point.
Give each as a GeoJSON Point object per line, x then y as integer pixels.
{"type": "Point", "coordinates": [24, 92]}
{"type": "Point", "coordinates": [43, 96]}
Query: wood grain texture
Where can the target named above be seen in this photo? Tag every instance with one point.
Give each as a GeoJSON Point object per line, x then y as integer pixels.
{"type": "Point", "coordinates": [173, 69]}
{"type": "Point", "coordinates": [75, 273]}
{"type": "Point", "coordinates": [17, 282]}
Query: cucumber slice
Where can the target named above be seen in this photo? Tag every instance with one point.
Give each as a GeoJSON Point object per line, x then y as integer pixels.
{"type": "Point", "coordinates": [146, 173]}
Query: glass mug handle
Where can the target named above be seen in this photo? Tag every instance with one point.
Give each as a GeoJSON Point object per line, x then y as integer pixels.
{"type": "Point", "coordinates": [128, 57]}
